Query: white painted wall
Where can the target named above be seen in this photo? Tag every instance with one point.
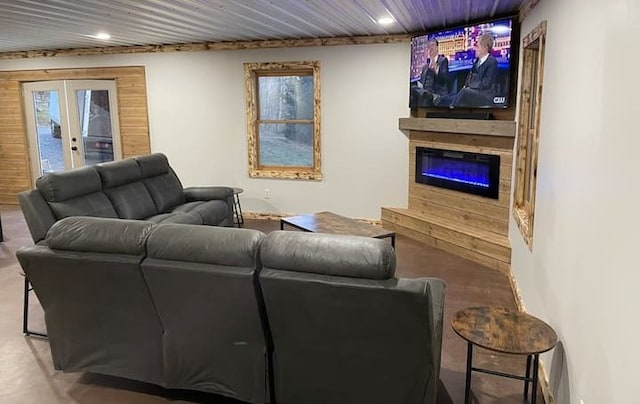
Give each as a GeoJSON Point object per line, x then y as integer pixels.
{"type": "Point", "coordinates": [583, 274]}
{"type": "Point", "coordinates": [197, 117]}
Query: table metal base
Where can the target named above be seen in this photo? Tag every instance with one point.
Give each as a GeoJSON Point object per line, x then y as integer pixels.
{"type": "Point", "coordinates": [527, 378]}
{"type": "Point", "coordinates": [237, 210]}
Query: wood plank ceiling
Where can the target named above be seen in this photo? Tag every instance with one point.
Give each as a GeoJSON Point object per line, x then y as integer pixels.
{"type": "Point", "coordinates": [70, 24]}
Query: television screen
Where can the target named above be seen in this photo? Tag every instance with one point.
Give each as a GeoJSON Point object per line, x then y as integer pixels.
{"type": "Point", "coordinates": [465, 67]}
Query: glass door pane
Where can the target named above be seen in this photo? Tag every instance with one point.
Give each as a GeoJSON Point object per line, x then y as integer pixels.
{"type": "Point", "coordinates": [49, 130]}
{"type": "Point", "coordinates": [95, 125]}
{"type": "Point", "coordinates": [46, 119]}
{"type": "Point", "coordinates": [93, 113]}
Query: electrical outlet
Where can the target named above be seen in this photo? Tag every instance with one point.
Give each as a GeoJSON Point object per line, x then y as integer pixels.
{"type": "Point", "coordinates": [581, 401]}
{"type": "Point", "coordinates": [267, 193]}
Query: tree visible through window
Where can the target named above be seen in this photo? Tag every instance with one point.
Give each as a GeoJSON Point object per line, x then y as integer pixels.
{"type": "Point", "coordinates": [529, 130]}
{"type": "Point", "coordinates": [283, 117]}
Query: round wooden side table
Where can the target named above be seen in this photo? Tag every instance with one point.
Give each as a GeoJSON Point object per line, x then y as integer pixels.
{"type": "Point", "coordinates": [508, 331]}
{"type": "Point", "coordinates": [237, 209]}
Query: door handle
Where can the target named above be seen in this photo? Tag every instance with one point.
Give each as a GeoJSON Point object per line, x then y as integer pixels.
{"type": "Point", "coordinates": [74, 148]}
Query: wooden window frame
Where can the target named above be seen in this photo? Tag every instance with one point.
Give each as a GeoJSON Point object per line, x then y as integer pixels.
{"type": "Point", "coordinates": [533, 46]}
{"type": "Point", "coordinates": [251, 72]}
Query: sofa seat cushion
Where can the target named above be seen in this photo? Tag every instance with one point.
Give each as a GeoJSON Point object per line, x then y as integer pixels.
{"type": "Point", "coordinates": [212, 212]}
{"type": "Point", "coordinates": [176, 217]}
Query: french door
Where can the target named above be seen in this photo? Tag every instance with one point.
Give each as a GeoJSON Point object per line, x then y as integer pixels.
{"type": "Point", "coordinates": [71, 123]}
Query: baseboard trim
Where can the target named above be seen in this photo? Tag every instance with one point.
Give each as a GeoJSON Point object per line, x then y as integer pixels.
{"type": "Point", "coordinates": [542, 374]}
{"type": "Point", "coordinates": [544, 386]}
{"type": "Point", "coordinates": [515, 290]}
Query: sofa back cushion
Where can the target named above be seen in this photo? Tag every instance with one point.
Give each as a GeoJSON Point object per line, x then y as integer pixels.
{"type": "Point", "coordinates": [205, 244]}
{"type": "Point", "coordinates": [99, 235]}
{"type": "Point", "coordinates": [161, 182]}
{"type": "Point", "coordinates": [76, 192]}
{"type": "Point", "coordinates": [329, 254]}
{"type": "Point", "coordinates": [122, 183]}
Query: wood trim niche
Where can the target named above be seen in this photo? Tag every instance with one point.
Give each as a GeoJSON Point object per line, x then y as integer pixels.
{"type": "Point", "coordinates": [15, 171]}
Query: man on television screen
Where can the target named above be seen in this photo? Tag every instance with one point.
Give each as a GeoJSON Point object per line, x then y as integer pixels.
{"type": "Point", "coordinates": [480, 86]}
{"type": "Point", "coordinates": [433, 79]}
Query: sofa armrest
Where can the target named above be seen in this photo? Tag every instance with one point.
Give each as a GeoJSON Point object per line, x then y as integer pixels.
{"type": "Point", "coordinates": [37, 213]}
{"type": "Point", "coordinates": [212, 193]}
{"type": "Point", "coordinates": [207, 193]}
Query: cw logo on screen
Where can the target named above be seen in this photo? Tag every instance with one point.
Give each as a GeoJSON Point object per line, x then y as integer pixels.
{"type": "Point", "coordinates": [499, 100]}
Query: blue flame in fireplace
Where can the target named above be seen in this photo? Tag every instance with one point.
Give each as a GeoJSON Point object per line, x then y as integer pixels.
{"type": "Point", "coordinates": [461, 171]}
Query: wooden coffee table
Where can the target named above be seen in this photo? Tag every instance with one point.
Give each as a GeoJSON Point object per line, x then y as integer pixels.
{"type": "Point", "coordinates": [332, 223]}
{"type": "Point", "coordinates": [508, 331]}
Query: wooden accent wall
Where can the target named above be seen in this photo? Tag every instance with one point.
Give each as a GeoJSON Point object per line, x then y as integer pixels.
{"type": "Point", "coordinates": [14, 157]}
{"type": "Point", "coordinates": [470, 226]}
{"type": "Point", "coordinates": [15, 171]}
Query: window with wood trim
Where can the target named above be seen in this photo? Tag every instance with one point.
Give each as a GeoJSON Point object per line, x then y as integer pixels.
{"type": "Point", "coordinates": [283, 119]}
{"type": "Point", "coordinates": [529, 131]}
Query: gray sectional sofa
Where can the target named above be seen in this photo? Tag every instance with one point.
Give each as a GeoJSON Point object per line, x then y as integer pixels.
{"type": "Point", "coordinates": [140, 188]}
{"type": "Point", "coordinates": [288, 317]}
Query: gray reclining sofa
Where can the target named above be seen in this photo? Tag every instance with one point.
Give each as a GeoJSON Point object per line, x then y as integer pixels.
{"type": "Point", "coordinates": [140, 188]}
{"type": "Point", "coordinates": [288, 317]}
{"type": "Point", "coordinates": [167, 304]}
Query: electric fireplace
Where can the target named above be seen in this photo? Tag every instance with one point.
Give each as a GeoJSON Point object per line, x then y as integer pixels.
{"type": "Point", "coordinates": [473, 173]}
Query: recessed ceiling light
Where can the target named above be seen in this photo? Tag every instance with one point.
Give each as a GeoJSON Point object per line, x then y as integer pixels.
{"type": "Point", "coordinates": [385, 20]}
{"type": "Point", "coordinates": [103, 36]}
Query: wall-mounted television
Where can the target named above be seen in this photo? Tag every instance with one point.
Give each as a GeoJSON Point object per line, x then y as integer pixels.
{"type": "Point", "coordinates": [465, 67]}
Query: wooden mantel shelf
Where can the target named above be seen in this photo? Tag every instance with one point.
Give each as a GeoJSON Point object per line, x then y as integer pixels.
{"type": "Point", "coordinates": [464, 126]}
